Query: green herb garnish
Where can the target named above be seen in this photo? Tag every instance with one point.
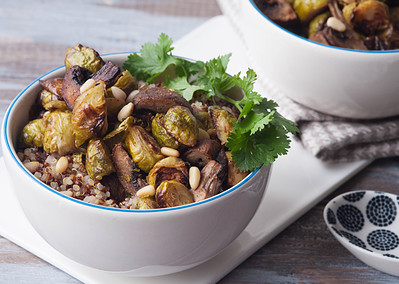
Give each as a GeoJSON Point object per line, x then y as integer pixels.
{"type": "Point", "coordinates": [260, 134]}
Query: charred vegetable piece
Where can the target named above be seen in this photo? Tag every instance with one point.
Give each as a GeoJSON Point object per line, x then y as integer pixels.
{"type": "Point", "coordinates": [117, 191]}
{"type": "Point", "coordinates": [172, 193]}
{"type": "Point", "coordinates": [307, 9]}
{"type": "Point", "coordinates": [222, 121]}
{"type": "Point", "coordinates": [89, 117]}
{"type": "Point", "coordinates": [126, 82]}
{"type": "Point", "coordinates": [58, 132]}
{"type": "Point", "coordinates": [210, 183]}
{"type": "Point", "coordinates": [317, 23]}
{"type": "Point", "coordinates": [142, 147]}
{"type": "Point", "coordinates": [368, 17]}
{"type": "Point", "coordinates": [119, 133]}
{"type": "Point", "coordinates": [32, 134]}
{"type": "Point", "coordinates": [204, 120]}
{"type": "Point", "coordinates": [53, 85]}
{"type": "Point", "coordinates": [162, 136]}
{"type": "Point", "coordinates": [128, 173]}
{"type": "Point", "coordinates": [74, 78]}
{"type": "Point", "coordinates": [234, 175]}
{"type": "Point", "coordinates": [279, 11]}
{"type": "Point", "coordinates": [202, 153]}
{"type": "Point", "coordinates": [109, 73]}
{"type": "Point", "coordinates": [84, 57]}
{"type": "Point", "coordinates": [159, 100]}
{"type": "Point", "coordinates": [146, 203]}
{"type": "Point", "coordinates": [98, 159]}
{"type": "Point", "coordinates": [180, 123]}
{"type": "Point", "coordinates": [170, 168]}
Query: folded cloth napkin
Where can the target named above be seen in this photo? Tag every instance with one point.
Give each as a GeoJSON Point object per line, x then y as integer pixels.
{"type": "Point", "coordinates": [335, 139]}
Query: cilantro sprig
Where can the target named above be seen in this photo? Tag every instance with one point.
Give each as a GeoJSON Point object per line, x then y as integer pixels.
{"type": "Point", "coordinates": [259, 135]}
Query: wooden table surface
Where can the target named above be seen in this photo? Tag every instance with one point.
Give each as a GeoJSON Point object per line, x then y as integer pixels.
{"type": "Point", "coordinates": [33, 38]}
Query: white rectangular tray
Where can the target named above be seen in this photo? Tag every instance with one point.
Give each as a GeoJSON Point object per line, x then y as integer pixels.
{"type": "Point", "coordinates": [298, 182]}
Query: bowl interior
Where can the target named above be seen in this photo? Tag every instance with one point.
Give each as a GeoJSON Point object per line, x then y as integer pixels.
{"type": "Point", "coordinates": [366, 219]}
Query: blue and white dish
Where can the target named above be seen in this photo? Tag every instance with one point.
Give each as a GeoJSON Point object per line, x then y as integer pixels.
{"type": "Point", "coordinates": [367, 224]}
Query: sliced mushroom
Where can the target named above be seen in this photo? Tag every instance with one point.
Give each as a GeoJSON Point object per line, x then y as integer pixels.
{"type": "Point", "coordinates": [234, 175]}
{"type": "Point", "coordinates": [117, 191]}
{"type": "Point", "coordinates": [53, 85]}
{"type": "Point", "coordinates": [223, 161]}
{"type": "Point", "coordinates": [159, 100]}
{"type": "Point", "coordinates": [279, 11]}
{"type": "Point", "coordinates": [210, 183]}
{"type": "Point", "coordinates": [128, 173]}
{"type": "Point", "coordinates": [202, 153]}
{"type": "Point", "coordinates": [170, 168]}
{"type": "Point", "coordinates": [109, 73]}
{"type": "Point", "coordinates": [172, 193]}
{"type": "Point", "coordinates": [73, 80]}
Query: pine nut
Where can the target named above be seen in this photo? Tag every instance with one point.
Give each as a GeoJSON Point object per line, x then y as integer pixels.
{"type": "Point", "coordinates": [62, 165]}
{"type": "Point", "coordinates": [31, 166]}
{"type": "Point", "coordinates": [148, 190]}
{"type": "Point", "coordinates": [336, 24]}
{"type": "Point", "coordinates": [194, 176]}
{"type": "Point", "coordinates": [125, 112]}
{"type": "Point", "coordinates": [130, 97]}
{"type": "Point", "coordinates": [202, 134]}
{"type": "Point", "coordinates": [118, 93]}
{"type": "Point", "coordinates": [170, 152]}
{"type": "Point", "coordinates": [90, 83]}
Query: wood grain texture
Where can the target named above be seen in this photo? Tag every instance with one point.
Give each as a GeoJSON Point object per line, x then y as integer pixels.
{"type": "Point", "coordinates": [33, 38]}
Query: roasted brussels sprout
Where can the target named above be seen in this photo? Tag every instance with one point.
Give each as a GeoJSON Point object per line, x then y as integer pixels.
{"type": "Point", "coordinates": [222, 121]}
{"type": "Point", "coordinates": [98, 159]}
{"type": "Point", "coordinates": [119, 133]}
{"type": "Point", "coordinates": [142, 147]}
{"type": "Point", "coordinates": [170, 168]}
{"type": "Point", "coordinates": [58, 132]}
{"type": "Point", "coordinates": [316, 24]}
{"type": "Point", "coordinates": [172, 193]}
{"type": "Point", "coordinates": [51, 102]}
{"type": "Point", "coordinates": [83, 56]}
{"type": "Point", "coordinates": [32, 134]}
{"type": "Point", "coordinates": [126, 82]}
{"type": "Point", "coordinates": [89, 117]}
{"type": "Point", "coordinates": [307, 9]}
{"type": "Point", "coordinates": [180, 123]}
{"type": "Point", "coordinates": [162, 136]}
{"type": "Point", "coordinates": [146, 203]}
{"type": "Point", "coordinates": [204, 120]}
{"type": "Point", "coordinates": [113, 107]}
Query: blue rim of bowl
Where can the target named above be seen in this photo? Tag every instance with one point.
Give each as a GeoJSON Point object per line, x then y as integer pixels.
{"type": "Point", "coordinates": [320, 44]}
{"type": "Point", "coordinates": [29, 174]}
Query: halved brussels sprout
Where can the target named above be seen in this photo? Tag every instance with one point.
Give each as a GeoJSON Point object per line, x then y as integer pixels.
{"type": "Point", "coordinates": [223, 122]}
{"type": "Point", "coordinates": [113, 107]}
{"type": "Point", "coordinates": [32, 133]}
{"type": "Point", "coordinates": [170, 168]}
{"type": "Point", "coordinates": [119, 133]}
{"type": "Point", "coordinates": [180, 123]}
{"type": "Point", "coordinates": [307, 9]}
{"type": "Point", "coordinates": [203, 119]}
{"type": "Point", "coordinates": [146, 203]}
{"type": "Point", "coordinates": [59, 136]}
{"type": "Point", "coordinates": [142, 147]}
{"type": "Point", "coordinates": [89, 116]}
{"type": "Point", "coordinates": [162, 136]}
{"type": "Point", "coordinates": [126, 82]}
{"type": "Point", "coordinates": [98, 159]}
{"type": "Point", "coordinates": [83, 56]}
{"type": "Point", "coordinates": [172, 193]}
{"type": "Point", "coordinates": [317, 23]}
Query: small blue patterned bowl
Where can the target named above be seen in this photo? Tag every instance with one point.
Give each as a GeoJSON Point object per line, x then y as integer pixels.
{"type": "Point", "coordinates": [367, 224]}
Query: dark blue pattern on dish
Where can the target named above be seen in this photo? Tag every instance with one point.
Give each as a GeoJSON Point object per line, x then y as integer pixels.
{"type": "Point", "coordinates": [390, 255]}
{"type": "Point", "coordinates": [383, 240]}
{"type": "Point", "coordinates": [331, 217]}
{"type": "Point", "coordinates": [381, 211]}
{"type": "Point", "coordinates": [337, 231]}
{"type": "Point", "coordinates": [350, 217]}
{"type": "Point", "coordinates": [353, 197]}
{"type": "Point", "coordinates": [354, 240]}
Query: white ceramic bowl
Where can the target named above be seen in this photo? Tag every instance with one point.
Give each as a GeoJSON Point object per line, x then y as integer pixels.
{"type": "Point", "coordinates": [133, 242]}
{"type": "Point", "coordinates": [341, 82]}
{"type": "Point", "coordinates": [367, 224]}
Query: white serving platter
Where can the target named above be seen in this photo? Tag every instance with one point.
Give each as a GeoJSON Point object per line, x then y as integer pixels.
{"type": "Point", "coordinates": [298, 182]}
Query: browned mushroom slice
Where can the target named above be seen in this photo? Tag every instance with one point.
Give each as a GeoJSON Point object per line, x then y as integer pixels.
{"type": "Point", "coordinates": [128, 173]}
{"type": "Point", "coordinates": [53, 85]}
{"type": "Point", "coordinates": [202, 153]}
{"type": "Point", "coordinates": [73, 80]}
{"type": "Point", "coordinates": [223, 161]}
{"type": "Point", "coordinates": [279, 11]}
{"type": "Point", "coordinates": [109, 73]}
{"type": "Point", "coordinates": [172, 193]}
{"type": "Point", "coordinates": [117, 191]}
{"type": "Point", "coordinates": [159, 100]}
{"type": "Point", "coordinates": [169, 168]}
{"type": "Point", "coordinates": [210, 183]}
{"type": "Point", "coordinates": [234, 175]}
